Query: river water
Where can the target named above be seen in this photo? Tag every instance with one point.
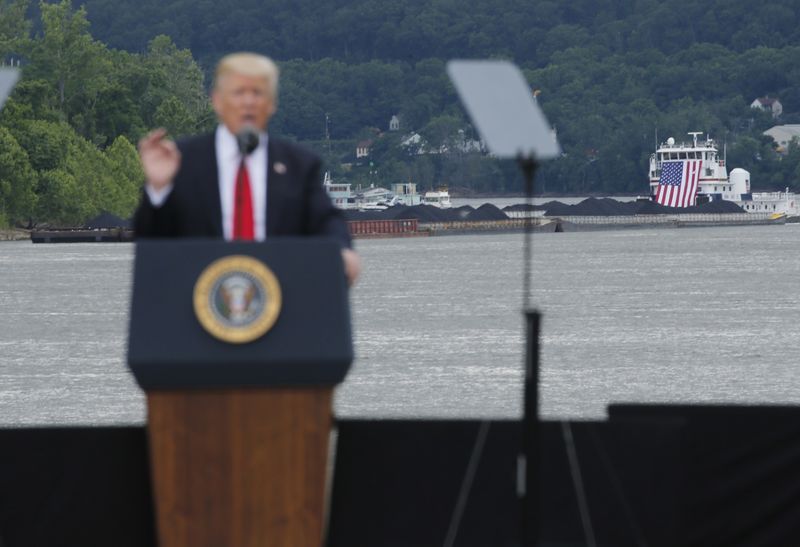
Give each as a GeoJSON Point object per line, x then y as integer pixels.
{"type": "Point", "coordinates": [668, 315]}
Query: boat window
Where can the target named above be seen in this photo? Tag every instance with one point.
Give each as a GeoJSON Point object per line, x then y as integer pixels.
{"type": "Point", "coordinates": [682, 155]}
{"type": "Point", "coordinates": [673, 155]}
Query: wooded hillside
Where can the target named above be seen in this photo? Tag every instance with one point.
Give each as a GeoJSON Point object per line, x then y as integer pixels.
{"type": "Point", "coordinates": [610, 74]}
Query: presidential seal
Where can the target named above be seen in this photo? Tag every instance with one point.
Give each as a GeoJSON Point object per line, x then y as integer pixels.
{"type": "Point", "coordinates": [237, 299]}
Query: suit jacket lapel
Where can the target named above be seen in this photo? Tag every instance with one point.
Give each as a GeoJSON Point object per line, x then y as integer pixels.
{"type": "Point", "coordinates": [276, 182]}
{"type": "Point", "coordinates": [209, 174]}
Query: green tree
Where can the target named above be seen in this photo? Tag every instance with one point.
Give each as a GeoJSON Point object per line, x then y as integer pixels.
{"type": "Point", "coordinates": [62, 200]}
{"type": "Point", "coordinates": [173, 116]}
{"type": "Point", "coordinates": [14, 27]}
{"type": "Point", "coordinates": [441, 132]}
{"type": "Point", "coordinates": [46, 143]}
{"type": "Point", "coordinates": [176, 96]}
{"type": "Point", "coordinates": [69, 59]}
{"type": "Point", "coordinates": [127, 175]}
{"type": "Point", "coordinates": [17, 180]}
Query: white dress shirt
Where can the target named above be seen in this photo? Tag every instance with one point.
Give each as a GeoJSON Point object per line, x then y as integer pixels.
{"type": "Point", "coordinates": [228, 159]}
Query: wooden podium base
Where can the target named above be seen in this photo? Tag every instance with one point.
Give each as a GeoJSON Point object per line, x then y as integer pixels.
{"type": "Point", "coordinates": [239, 468]}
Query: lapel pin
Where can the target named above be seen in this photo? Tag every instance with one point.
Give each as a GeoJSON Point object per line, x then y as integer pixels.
{"type": "Point", "coordinates": [279, 168]}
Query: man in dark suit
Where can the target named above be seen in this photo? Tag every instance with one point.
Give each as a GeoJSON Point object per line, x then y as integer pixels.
{"type": "Point", "coordinates": [209, 186]}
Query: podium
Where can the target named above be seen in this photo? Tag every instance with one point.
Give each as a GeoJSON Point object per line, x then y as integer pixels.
{"type": "Point", "coordinates": [238, 347]}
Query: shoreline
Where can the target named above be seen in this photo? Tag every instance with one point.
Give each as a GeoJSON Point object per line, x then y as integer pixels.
{"type": "Point", "coordinates": [423, 229]}
{"type": "Point", "coordinates": [14, 234]}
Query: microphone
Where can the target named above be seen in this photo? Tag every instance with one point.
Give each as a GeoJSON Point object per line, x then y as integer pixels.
{"type": "Point", "coordinates": [247, 139]}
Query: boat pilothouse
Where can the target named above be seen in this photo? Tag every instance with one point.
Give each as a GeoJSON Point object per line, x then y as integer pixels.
{"type": "Point", "coordinates": [439, 198]}
{"type": "Point", "coordinates": [340, 193]}
{"type": "Point", "coordinates": [713, 181]}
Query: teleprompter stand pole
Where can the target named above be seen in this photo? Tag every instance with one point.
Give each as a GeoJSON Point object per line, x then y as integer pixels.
{"type": "Point", "coordinates": [528, 166]}
{"type": "Point", "coordinates": [500, 104]}
{"type": "Point", "coordinates": [530, 421]}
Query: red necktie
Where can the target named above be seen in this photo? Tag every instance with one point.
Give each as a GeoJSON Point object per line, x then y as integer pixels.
{"type": "Point", "coordinates": [243, 228]}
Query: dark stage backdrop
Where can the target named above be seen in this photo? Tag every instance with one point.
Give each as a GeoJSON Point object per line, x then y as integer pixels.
{"type": "Point", "coordinates": [649, 476]}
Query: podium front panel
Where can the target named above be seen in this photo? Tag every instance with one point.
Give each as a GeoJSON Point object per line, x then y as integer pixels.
{"type": "Point", "coordinates": [309, 344]}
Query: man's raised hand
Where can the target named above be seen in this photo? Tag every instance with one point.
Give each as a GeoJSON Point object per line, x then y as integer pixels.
{"type": "Point", "coordinates": [160, 159]}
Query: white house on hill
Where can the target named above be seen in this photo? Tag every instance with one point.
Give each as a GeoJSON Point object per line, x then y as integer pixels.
{"type": "Point", "coordinates": [769, 104]}
{"type": "Point", "coordinates": [362, 149]}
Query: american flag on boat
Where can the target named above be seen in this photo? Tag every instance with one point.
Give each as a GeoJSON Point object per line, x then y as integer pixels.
{"type": "Point", "coordinates": [678, 184]}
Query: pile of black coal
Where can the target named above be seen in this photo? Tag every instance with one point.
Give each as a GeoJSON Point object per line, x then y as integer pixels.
{"type": "Point", "coordinates": [523, 207]}
{"type": "Point", "coordinates": [592, 207]}
{"type": "Point", "coordinates": [107, 220]}
{"type": "Point", "coordinates": [612, 207]}
{"type": "Point", "coordinates": [427, 213]}
{"type": "Point", "coordinates": [422, 213]}
{"type": "Point", "coordinates": [487, 211]}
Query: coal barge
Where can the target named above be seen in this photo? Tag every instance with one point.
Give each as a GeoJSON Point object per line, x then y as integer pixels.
{"type": "Point", "coordinates": [427, 220]}
{"type": "Point", "coordinates": [553, 216]}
